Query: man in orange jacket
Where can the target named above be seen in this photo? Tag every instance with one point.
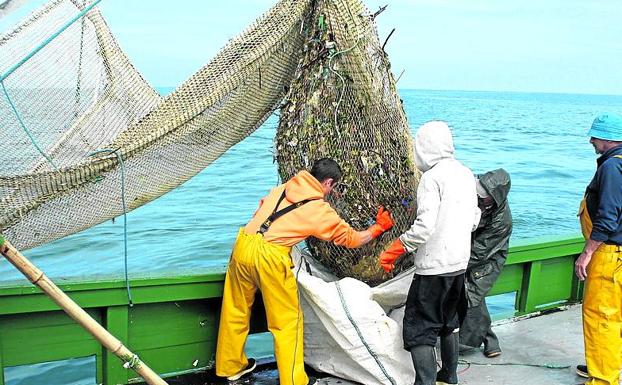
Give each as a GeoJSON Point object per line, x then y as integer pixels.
{"type": "Point", "coordinates": [261, 259]}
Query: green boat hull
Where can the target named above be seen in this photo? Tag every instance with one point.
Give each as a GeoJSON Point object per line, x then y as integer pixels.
{"type": "Point", "coordinates": [173, 323]}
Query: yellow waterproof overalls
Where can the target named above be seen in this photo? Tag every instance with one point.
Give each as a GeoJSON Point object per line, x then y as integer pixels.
{"type": "Point", "coordinates": [602, 309]}
{"type": "Point", "coordinates": [258, 264]}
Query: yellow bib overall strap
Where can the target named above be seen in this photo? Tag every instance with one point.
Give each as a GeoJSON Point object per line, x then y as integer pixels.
{"type": "Point", "coordinates": [585, 220]}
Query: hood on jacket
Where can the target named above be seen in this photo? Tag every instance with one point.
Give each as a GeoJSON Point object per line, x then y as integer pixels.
{"type": "Point", "coordinates": [433, 143]}
{"type": "Point", "coordinates": [303, 186]}
{"type": "Point", "coordinates": [497, 184]}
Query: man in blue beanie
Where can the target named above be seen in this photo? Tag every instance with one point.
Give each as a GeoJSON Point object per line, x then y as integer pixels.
{"type": "Point", "coordinates": [600, 262]}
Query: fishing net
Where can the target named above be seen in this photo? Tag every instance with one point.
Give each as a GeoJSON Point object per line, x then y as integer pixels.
{"type": "Point", "coordinates": [343, 104]}
{"type": "Point", "coordinates": [85, 138]}
{"type": "Point", "coordinates": [8, 6]}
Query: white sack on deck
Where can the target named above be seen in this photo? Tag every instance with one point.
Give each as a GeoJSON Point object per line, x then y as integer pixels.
{"type": "Point", "coordinates": [362, 343]}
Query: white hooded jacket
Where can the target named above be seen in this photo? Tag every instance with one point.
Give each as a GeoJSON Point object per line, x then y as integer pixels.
{"type": "Point", "coordinates": [447, 209]}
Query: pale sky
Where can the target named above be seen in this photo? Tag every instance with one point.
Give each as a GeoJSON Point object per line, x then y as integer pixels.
{"type": "Point", "coordinates": [568, 46]}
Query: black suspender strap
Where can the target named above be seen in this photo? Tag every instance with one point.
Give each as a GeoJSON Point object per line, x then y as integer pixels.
{"type": "Point", "coordinates": [277, 214]}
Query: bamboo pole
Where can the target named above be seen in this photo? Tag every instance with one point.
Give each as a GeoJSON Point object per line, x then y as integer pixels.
{"type": "Point", "coordinates": [38, 278]}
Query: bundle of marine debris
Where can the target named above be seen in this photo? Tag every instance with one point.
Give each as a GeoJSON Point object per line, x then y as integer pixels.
{"type": "Point", "coordinates": [343, 104]}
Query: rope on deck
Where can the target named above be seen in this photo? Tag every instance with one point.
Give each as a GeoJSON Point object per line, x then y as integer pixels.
{"type": "Point", "coordinates": [544, 366]}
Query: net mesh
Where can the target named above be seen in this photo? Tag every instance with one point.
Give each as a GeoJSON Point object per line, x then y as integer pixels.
{"type": "Point", "coordinates": [343, 104]}
{"type": "Point", "coordinates": [80, 125]}
{"type": "Point", "coordinates": [80, 94]}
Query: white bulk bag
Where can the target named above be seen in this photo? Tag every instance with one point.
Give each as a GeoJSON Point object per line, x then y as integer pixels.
{"type": "Point", "coordinates": [347, 330]}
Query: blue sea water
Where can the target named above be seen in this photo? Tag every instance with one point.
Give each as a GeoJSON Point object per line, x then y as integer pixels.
{"type": "Point", "coordinates": [540, 139]}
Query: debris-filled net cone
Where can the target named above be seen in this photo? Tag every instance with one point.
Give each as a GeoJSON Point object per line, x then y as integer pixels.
{"type": "Point", "coordinates": [343, 104]}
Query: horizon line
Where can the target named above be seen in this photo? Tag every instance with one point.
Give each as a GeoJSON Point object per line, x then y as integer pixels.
{"type": "Point", "coordinates": [482, 91]}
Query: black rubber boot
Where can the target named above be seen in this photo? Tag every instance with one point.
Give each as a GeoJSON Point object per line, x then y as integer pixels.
{"type": "Point", "coordinates": [424, 362]}
{"type": "Point", "coordinates": [449, 356]}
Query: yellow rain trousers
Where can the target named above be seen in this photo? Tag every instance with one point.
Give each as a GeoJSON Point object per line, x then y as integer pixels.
{"type": "Point", "coordinates": [252, 258]}
{"type": "Point", "coordinates": [602, 311]}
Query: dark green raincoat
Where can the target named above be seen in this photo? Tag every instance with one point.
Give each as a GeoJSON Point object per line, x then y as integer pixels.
{"type": "Point", "coordinates": [489, 250]}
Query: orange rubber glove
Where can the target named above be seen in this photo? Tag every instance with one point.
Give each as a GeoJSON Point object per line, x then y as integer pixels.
{"type": "Point", "coordinates": [389, 256]}
{"type": "Point", "coordinates": [383, 223]}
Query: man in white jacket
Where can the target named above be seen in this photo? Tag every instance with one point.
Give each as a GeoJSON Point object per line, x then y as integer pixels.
{"type": "Point", "coordinates": [447, 212]}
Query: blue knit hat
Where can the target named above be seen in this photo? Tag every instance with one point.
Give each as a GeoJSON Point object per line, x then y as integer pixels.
{"type": "Point", "coordinates": [607, 127]}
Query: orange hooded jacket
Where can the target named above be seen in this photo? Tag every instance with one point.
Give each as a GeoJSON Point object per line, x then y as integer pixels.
{"type": "Point", "coordinates": [315, 218]}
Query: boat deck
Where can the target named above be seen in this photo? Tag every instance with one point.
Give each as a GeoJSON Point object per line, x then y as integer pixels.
{"type": "Point", "coordinates": [541, 350]}
{"type": "Point", "coordinates": [529, 346]}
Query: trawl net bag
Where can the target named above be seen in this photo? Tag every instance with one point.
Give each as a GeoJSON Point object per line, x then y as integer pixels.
{"type": "Point", "coordinates": [343, 104]}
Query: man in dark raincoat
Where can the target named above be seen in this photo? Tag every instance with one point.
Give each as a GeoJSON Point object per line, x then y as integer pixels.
{"type": "Point", "coordinates": [489, 250]}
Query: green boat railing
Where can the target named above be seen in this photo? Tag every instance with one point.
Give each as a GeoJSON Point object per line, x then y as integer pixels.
{"type": "Point", "coordinates": [542, 274]}
{"type": "Point", "coordinates": [173, 324]}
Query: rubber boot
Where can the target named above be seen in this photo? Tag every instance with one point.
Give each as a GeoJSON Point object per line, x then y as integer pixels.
{"type": "Point", "coordinates": [449, 357]}
{"type": "Point", "coordinates": [424, 362]}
